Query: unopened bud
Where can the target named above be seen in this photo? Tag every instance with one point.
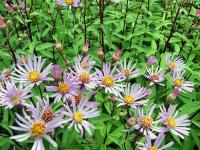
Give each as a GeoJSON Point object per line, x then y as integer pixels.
{"type": "Point", "coordinates": [57, 72]}
{"type": "Point", "coordinates": [117, 54]}
{"type": "Point", "coordinates": [49, 11]}
{"type": "Point", "coordinates": [85, 49]}
{"type": "Point", "coordinates": [131, 121]}
{"type": "Point", "coordinates": [172, 96]}
{"type": "Point", "coordinates": [151, 60]}
{"type": "Point", "coordinates": [198, 12]}
{"type": "Point", "coordinates": [100, 53]}
{"type": "Point", "coordinates": [9, 23]}
{"type": "Point", "coordinates": [89, 141]}
{"type": "Point", "coordinates": [59, 46]}
{"type": "Point", "coordinates": [2, 23]}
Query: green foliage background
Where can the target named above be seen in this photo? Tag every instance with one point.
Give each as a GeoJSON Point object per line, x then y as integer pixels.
{"type": "Point", "coordinates": [139, 29]}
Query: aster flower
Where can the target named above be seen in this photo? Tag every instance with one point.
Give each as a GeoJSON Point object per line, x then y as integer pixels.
{"type": "Point", "coordinates": [66, 89]}
{"type": "Point", "coordinates": [87, 79]}
{"type": "Point", "coordinates": [35, 128]}
{"type": "Point", "coordinates": [174, 64]}
{"type": "Point", "coordinates": [110, 81]}
{"type": "Point", "coordinates": [156, 146]}
{"type": "Point", "coordinates": [84, 62]}
{"type": "Point", "coordinates": [131, 96]}
{"type": "Point", "coordinates": [151, 60]}
{"type": "Point", "coordinates": [180, 83]}
{"type": "Point", "coordinates": [11, 95]}
{"type": "Point", "coordinates": [68, 3]}
{"type": "Point", "coordinates": [44, 111]}
{"type": "Point", "coordinates": [146, 124]}
{"type": "Point", "coordinates": [21, 59]}
{"type": "Point", "coordinates": [31, 74]}
{"type": "Point", "coordinates": [176, 125]}
{"type": "Point", "coordinates": [78, 116]}
{"type": "Point", "coordinates": [129, 70]}
{"type": "Point", "coordinates": [154, 75]}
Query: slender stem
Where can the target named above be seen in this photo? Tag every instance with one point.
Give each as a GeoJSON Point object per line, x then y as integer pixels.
{"type": "Point", "coordinates": [84, 21]}
{"type": "Point", "coordinates": [140, 8]}
{"type": "Point", "coordinates": [101, 17]}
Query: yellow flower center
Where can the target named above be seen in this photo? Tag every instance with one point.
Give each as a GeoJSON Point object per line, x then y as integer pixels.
{"type": "Point", "coordinates": [34, 76]}
{"type": "Point", "coordinates": [84, 77]}
{"type": "Point", "coordinates": [63, 88]}
{"type": "Point", "coordinates": [85, 64]}
{"type": "Point", "coordinates": [69, 2]}
{"type": "Point", "coordinates": [38, 129]}
{"type": "Point", "coordinates": [146, 122]}
{"type": "Point", "coordinates": [16, 99]}
{"type": "Point", "coordinates": [129, 100]}
{"type": "Point", "coordinates": [127, 72]}
{"type": "Point", "coordinates": [78, 117]}
{"type": "Point", "coordinates": [171, 122]}
{"type": "Point", "coordinates": [47, 115]}
{"type": "Point", "coordinates": [108, 81]}
{"type": "Point", "coordinates": [153, 148]}
{"type": "Point", "coordinates": [178, 82]}
{"type": "Point", "coordinates": [171, 65]}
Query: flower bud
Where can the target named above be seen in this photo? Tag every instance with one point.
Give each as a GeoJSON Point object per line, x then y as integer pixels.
{"type": "Point", "coordinates": [59, 46]}
{"type": "Point", "coordinates": [57, 72]}
{"type": "Point", "coordinates": [131, 121]}
{"type": "Point", "coordinates": [151, 60]}
{"type": "Point", "coordinates": [117, 54]}
{"type": "Point", "coordinates": [198, 12]}
{"type": "Point", "coordinates": [2, 23]}
{"type": "Point", "coordinates": [89, 141]}
{"type": "Point", "coordinates": [9, 23]}
{"type": "Point", "coordinates": [49, 11]}
{"type": "Point", "coordinates": [85, 48]}
{"type": "Point", "coordinates": [100, 53]}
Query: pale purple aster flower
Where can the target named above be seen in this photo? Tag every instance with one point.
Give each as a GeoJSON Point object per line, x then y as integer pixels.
{"type": "Point", "coordinates": [65, 89]}
{"type": "Point", "coordinates": [109, 80]}
{"type": "Point", "coordinates": [30, 73]}
{"type": "Point", "coordinates": [21, 59]}
{"type": "Point", "coordinates": [174, 63]}
{"type": "Point", "coordinates": [156, 145]}
{"type": "Point", "coordinates": [45, 111]}
{"type": "Point", "coordinates": [154, 75]}
{"type": "Point", "coordinates": [35, 128]}
{"type": "Point", "coordinates": [146, 124]}
{"type": "Point", "coordinates": [132, 95]}
{"type": "Point", "coordinates": [179, 82]}
{"type": "Point", "coordinates": [129, 70]}
{"type": "Point", "coordinates": [57, 72]}
{"type": "Point", "coordinates": [12, 95]}
{"type": "Point", "coordinates": [176, 125]}
{"type": "Point", "coordinates": [85, 77]}
{"type": "Point", "coordinates": [9, 7]}
{"type": "Point", "coordinates": [84, 62]}
{"type": "Point", "coordinates": [78, 115]}
{"type": "Point", "coordinates": [68, 3]}
{"type": "Point", "coordinates": [151, 60]}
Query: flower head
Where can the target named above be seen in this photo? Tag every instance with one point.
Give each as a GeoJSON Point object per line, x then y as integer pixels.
{"type": "Point", "coordinates": [35, 128]}
{"type": "Point", "coordinates": [78, 115]}
{"type": "Point", "coordinates": [145, 122]}
{"type": "Point", "coordinates": [109, 80]}
{"type": "Point", "coordinates": [30, 73]}
{"type": "Point", "coordinates": [116, 55]}
{"type": "Point", "coordinates": [12, 95]}
{"type": "Point", "coordinates": [174, 64]}
{"type": "Point", "coordinates": [129, 70]}
{"type": "Point", "coordinates": [65, 89]}
{"type": "Point", "coordinates": [84, 62]}
{"type": "Point", "coordinates": [68, 3]}
{"type": "Point", "coordinates": [176, 125]}
{"type": "Point", "coordinates": [132, 95]}
{"type": "Point", "coordinates": [156, 145]}
{"type": "Point", "coordinates": [154, 75]}
{"type": "Point", "coordinates": [179, 82]}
